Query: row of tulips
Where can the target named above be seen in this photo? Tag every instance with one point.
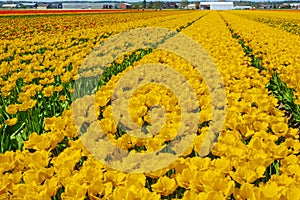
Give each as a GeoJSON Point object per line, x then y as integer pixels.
{"type": "Point", "coordinates": [37, 74]}
{"type": "Point", "coordinates": [60, 166]}
{"type": "Point", "coordinates": [256, 156]}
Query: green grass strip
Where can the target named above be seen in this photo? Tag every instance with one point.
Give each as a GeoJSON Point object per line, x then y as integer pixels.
{"type": "Point", "coordinates": [286, 98]}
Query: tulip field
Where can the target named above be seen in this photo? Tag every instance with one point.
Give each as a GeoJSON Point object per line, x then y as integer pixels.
{"type": "Point", "coordinates": [50, 101]}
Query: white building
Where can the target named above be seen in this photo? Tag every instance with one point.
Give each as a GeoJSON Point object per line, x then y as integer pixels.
{"type": "Point", "coordinates": [216, 5]}
{"type": "Point", "coordinates": [29, 5]}
{"type": "Point", "coordinates": [42, 6]}
{"type": "Point", "coordinates": [192, 6]}
{"type": "Point", "coordinates": [9, 6]}
{"type": "Point", "coordinates": [242, 8]}
{"type": "Point", "coordinates": [295, 6]}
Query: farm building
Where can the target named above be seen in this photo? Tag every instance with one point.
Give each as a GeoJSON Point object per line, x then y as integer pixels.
{"type": "Point", "coordinates": [54, 6]}
{"type": "Point", "coordinates": [29, 5]}
{"type": "Point", "coordinates": [171, 5]}
{"type": "Point", "coordinates": [125, 6]}
{"type": "Point", "coordinates": [265, 6]}
{"type": "Point", "coordinates": [242, 8]}
{"type": "Point", "coordinates": [11, 6]}
{"type": "Point", "coordinates": [295, 6]}
{"type": "Point", "coordinates": [192, 6]}
{"type": "Point", "coordinates": [42, 6]}
{"type": "Point", "coordinates": [90, 6]}
{"type": "Point", "coordinates": [216, 5]}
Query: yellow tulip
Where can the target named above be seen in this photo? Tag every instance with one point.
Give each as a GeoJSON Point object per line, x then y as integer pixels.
{"type": "Point", "coordinates": [11, 122]}
{"type": "Point", "coordinates": [164, 186]}
{"type": "Point", "coordinates": [12, 109]}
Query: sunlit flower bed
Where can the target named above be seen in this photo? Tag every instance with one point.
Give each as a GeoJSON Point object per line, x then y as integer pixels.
{"type": "Point", "coordinates": [275, 41]}
{"type": "Point", "coordinates": [43, 148]}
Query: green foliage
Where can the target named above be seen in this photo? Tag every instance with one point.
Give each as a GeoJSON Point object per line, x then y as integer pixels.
{"type": "Point", "coordinates": [184, 3]}
{"type": "Point", "coordinates": [285, 95]}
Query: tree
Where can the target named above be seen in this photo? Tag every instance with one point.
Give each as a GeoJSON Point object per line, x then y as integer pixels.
{"type": "Point", "coordinates": [197, 4]}
{"type": "Point", "coordinates": [144, 4]}
{"type": "Point", "coordinates": [151, 4]}
{"type": "Point", "coordinates": [184, 3]}
{"type": "Point", "coordinates": [158, 5]}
